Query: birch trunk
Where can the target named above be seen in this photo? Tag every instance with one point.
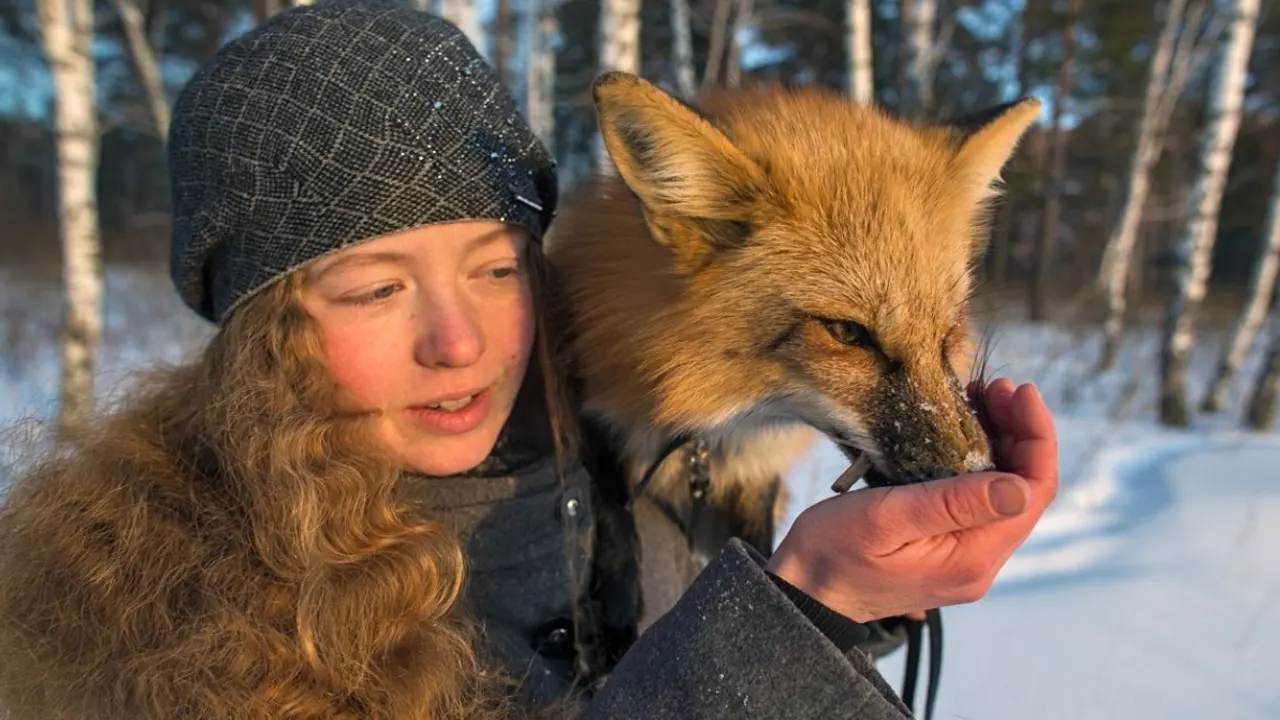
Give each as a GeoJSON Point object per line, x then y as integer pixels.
{"type": "Point", "coordinates": [858, 30]}
{"type": "Point", "coordinates": [681, 27]}
{"type": "Point", "coordinates": [1118, 255]}
{"type": "Point", "coordinates": [1260, 412]}
{"type": "Point", "coordinates": [144, 60]}
{"type": "Point", "coordinates": [1196, 242]}
{"type": "Point", "coordinates": [741, 21]}
{"type": "Point", "coordinates": [66, 30]}
{"type": "Point", "coordinates": [619, 38]}
{"type": "Point", "coordinates": [1261, 289]}
{"type": "Point", "coordinates": [540, 67]}
{"type": "Point", "coordinates": [715, 51]}
{"type": "Point", "coordinates": [920, 17]}
{"type": "Point", "coordinates": [1044, 249]}
{"type": "Point", "coordinates": [466, 15]}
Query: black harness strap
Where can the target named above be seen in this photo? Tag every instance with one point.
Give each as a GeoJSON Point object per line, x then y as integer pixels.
{"type": "Point", "coordinates": [700, 483]}
{"type": "Point", "coordinates": [933, 619]}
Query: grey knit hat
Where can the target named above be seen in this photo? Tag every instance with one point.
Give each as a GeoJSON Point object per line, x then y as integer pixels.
{"type": "Point", "coordinates": [334, 123]}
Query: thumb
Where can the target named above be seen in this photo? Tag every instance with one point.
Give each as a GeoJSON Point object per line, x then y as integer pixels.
{"type": "Point", "coordinates": [952, 504]}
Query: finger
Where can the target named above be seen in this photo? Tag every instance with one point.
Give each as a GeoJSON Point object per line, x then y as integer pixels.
{"type": "Point", "coordinates": [999, 400]}
{"type": "Point", "coordinates": [1034, 452]}
{"type": "Point", "coordinates": [910, 513]}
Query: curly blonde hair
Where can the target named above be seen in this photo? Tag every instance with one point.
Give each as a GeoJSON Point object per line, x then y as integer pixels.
{"type": "Point", "coordinates": [230, 545]}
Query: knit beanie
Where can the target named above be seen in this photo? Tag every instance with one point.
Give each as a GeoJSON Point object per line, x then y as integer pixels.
{"type": "Point", "coordinates": [334, 123]}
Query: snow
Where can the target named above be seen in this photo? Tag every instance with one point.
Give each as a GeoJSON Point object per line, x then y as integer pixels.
{"type": "Point", "coordinates": [1151, 589]}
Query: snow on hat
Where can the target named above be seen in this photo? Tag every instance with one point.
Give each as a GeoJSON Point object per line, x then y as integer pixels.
{"type": "Point", "coordinates": [334, 123]}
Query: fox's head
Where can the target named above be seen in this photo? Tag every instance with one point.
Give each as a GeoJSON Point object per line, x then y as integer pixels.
{"type": "Point", "coordinates": [785, 256]}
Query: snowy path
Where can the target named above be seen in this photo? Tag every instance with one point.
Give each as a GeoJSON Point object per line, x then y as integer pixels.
{"type": "Point", "coordinates": [1151, 589]}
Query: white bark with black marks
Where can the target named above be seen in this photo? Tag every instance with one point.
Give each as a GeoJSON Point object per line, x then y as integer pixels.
{"type": "Point", "coordinates": [1261, 290]}
{"type": "Point", "coordinates": [1163, 88]}
{"type": "Point", "coordinates": [859, 50]}
{"type": "Point", "coordinates": [619, 38]}
{"type": "Point", "coordinates": [66, 31]}
{"type": "Point", "coordinates": [1195, 246]}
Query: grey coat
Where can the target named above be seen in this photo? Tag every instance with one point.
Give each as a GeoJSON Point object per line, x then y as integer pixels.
{"type": "Point", "coordinates": [720, 641]}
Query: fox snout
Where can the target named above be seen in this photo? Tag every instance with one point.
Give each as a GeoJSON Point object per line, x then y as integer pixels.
{"type": "Point", "coordinates": [924, 436]}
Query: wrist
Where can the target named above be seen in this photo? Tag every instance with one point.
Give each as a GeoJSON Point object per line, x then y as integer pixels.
{"type": "Point", "coordinates": [804, 574]}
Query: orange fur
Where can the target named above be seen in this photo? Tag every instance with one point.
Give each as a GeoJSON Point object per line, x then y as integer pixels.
{"type": "Point", "coordinates": [709, 282]}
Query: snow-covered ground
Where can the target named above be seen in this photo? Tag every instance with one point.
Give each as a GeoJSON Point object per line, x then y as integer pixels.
{"type": "Point", "coordinates": [1150, 590]}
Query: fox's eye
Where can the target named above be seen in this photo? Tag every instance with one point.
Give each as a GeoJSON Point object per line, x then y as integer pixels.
{"type": "Point", "coordinates": [848, 332]}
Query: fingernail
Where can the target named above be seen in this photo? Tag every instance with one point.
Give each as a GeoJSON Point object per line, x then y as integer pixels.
{"type": "Point", "coordinates": [1008, 496]}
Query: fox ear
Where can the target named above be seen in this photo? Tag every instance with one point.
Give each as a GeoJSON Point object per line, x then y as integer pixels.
{"type": "Point", "coordinates": [698, 190]}
{"type": "Point", "coordinates": [985, 140]}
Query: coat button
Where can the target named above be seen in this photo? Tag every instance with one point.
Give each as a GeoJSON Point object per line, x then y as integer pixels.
{"type": "Point", "coordinates": [572, 509]}
{"type": "Point", "coordinates": [555, 639]}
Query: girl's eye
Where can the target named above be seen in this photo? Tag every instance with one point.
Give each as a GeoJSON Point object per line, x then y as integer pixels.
{"type": "Point", "coordinates": [376, 295]}
{"type": "Point", "coordinates": [505, 272]}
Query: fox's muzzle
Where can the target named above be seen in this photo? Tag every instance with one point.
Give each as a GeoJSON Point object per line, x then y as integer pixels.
{"type": "Point", "coordinates": [925, 435]}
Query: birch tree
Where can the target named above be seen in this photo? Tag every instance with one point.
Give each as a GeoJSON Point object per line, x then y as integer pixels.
{"type": "Point", "coordinates": [144, 61]}
{"type": "Point", "coordinates": [1261, 290]}
{"type": "Point", "coordinates": [1260, 411]}
{"type": "Point", "coordinates": [466, 15]}
{"type": "Point", "coordinates": [682, 30]}
{"type": "Point", "coordinates": [715, 49]}
{"type": "Point", "coordinates": [919, 18]}
{"type": "Point", "coordinates": [1166, 79]}
{"type": "Point", "coordinates": [540, 71]}
{"type": "Point", "coordinates": [858, 41]}
{"type": "Point", "coordinates": [619, 38]}
{"type": "Point", "coordinates": [741, 21]}
{"type": "Point", "coordinates": [1196, 242]}
{"type": "Point", "coordinates": [66, 32]}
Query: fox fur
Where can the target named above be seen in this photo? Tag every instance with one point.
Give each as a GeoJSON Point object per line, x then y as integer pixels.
{"type": "Point", "coordinates": [769, 265]}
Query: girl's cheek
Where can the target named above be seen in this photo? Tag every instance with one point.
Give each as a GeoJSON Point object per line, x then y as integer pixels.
{"type": "Point", "coordinates": [358, 363]}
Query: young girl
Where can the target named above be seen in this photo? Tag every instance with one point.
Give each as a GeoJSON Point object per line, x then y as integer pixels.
{"type": "Point", "coordinates": [364, 500]}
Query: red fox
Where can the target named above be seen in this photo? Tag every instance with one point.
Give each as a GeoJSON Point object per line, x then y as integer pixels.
{"type": "Point", "coordinates": [770, 265]}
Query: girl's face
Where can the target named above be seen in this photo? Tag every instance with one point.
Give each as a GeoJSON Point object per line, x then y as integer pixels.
{"type": "Point", "coordinates": [429, 332]}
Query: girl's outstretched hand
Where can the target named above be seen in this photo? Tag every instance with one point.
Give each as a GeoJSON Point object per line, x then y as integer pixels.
{"type": "Point", "coordinates": [882, 552]}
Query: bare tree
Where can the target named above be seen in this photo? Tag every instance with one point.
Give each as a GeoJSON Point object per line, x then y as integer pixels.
{"type": "Point", "coordinates": [1261, 291]}
{"type": "Point", "coordinates": [144, 61]}
{"type": "Point", "coordinates": [715, 51]}
{"type": "Point", "coordinates": [66, 31]}
{"type": "Point", "coordinates": [858, 41]}
{"type": "Point", "coordinates": [1260, 411]}
{"type": "Point", "coordinates": [682, 30]}
{"type": "Point", "coordinates": [619, 38]}
{"type": "Point", "coordinates": [919, 18]}
{"type": "Point", "coordinates": [1226, 101]}
{"type": "Point", "coordinates": [1167, 78]}
{"type": "Point", "coordinates": [1058, 165]}
{"type": "Point", "coordinates": [466, 15]}
{"type": "Point", "coordinates": [741, 21]}
{"type": "Point", "coordinates": [540, 67]}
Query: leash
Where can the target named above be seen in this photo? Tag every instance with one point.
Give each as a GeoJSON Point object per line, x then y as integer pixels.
{"type": "Point", "coordinates": [700, 483]}
{"type": "Point", "coordinates": [932, 620]}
